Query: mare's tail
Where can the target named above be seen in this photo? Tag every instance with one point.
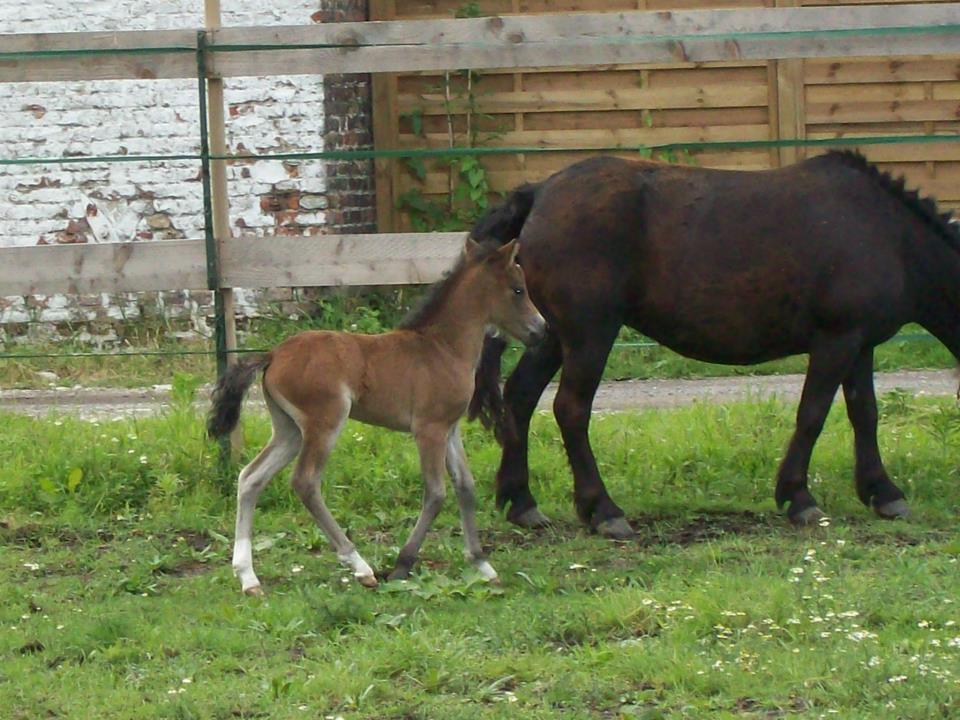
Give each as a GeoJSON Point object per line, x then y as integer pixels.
{"type": "Point", "coordinates": [505, 221]}
{"type": "Point", "coordinates": [502, 223]}
{"type": "Point", "coordinates": [487, 401]}
{"type": "Point", "coordinates": [227, 396]}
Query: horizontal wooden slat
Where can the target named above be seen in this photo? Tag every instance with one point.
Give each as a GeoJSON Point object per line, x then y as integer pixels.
{"type": "Point", "coordinates": [587, 100]}
{"type": "Point", "coordinates": [896, 111]}
{"type": "Point", "coordinates": [331, 260]}
{"type": "Point", "coordinates": [550, 40]}
{"type": "Point", "coordinates": [108, 267]}
{"type": "Point", "coordinates": [881, 70]}
{"type": "Point", "coordinates": [607, 138]}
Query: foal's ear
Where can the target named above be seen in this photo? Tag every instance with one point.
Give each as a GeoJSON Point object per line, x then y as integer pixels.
{"type": "Point", "coordinates": [470, 248]}
{"type": "Point", "coordinates": [508, 253]}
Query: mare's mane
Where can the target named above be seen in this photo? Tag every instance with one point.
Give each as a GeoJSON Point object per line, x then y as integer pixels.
{"type": "Point", "coordinates": [924, 208]}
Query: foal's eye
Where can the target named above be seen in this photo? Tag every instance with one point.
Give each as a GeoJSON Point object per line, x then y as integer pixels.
{"type": "Point", "coordinates": [518, 291]}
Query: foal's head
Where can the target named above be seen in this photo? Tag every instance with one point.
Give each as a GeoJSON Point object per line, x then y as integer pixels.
{"type": "Point", "coordinates": [505, 290]}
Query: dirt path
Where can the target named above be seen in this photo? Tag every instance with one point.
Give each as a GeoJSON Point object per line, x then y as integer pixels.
{"type": "Point", "coordinates": [103, 403]}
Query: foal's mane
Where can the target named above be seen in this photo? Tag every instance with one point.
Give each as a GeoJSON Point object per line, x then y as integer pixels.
{"type": "Point", "coordinates": [437, 295]}
{"type": "Point", "coordinates": [923, 207]}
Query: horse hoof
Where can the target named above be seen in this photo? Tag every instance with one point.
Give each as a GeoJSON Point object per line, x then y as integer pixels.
{"type": "Point", "coordinates": [893, 510]}
{"type": "Point", "coordinates": [255, 591]}
{"type": "Point", "coordinates": [809, 517]}
{"type": "Point", "coordinates": [531, 519]}
{"type": "Point", "coordinates": [615, 528]}
{"type": "Point", "coordinates": [399, 573]}
{"type": "Point", "coordinates": [368, 581]}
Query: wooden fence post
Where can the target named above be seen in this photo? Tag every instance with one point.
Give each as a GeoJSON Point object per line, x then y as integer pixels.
{"type": "Point", "coordinates": [220, 201]}
{"type": "Point", "coordinates": [791, 113]}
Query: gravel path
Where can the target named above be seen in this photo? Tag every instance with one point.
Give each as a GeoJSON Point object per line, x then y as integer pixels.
{"type": "Point", "coordinates": [102, 403]}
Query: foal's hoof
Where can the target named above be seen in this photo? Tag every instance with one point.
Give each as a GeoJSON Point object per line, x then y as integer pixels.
{"type": "Point", "coordinates": [531, 519]}
{"type": "Point", "coordinates": [368, 581]}
{"type": "Point", "coordinates": [255, 591]}
{"type": "Point", "coordinates": [893, 510]}
{"type": "Point", "coordinates": [616, 528]}
{"type": "Point", "coordinates": [808, 517]}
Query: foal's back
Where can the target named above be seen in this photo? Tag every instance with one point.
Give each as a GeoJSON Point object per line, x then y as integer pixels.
{"type": "Point", "coordinates": [384, 380]}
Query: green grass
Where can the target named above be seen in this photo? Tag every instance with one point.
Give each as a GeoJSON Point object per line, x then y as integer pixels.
{"type": "Point", "coordinates": [117, 599]}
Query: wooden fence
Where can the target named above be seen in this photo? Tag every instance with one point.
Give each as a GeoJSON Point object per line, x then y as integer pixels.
{"type": "Point", "coordinates": [776, 96]}
{"type": "Point", "coordinates": [624, 45]}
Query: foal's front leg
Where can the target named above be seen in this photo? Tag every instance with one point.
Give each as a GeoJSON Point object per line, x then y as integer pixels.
{"type": "Point", "coordinates": [464, 485]}
{"type": "Point", "coordinates": [431, 442]}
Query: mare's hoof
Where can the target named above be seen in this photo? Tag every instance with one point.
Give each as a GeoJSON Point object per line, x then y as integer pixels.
{"type": "Point", "coordinates": [809, 517]}
{"type": "Point", "coordinates": [399, 573]}
{"type": "Point", "coordinates": [368, 581]}
{"type": "Point", "coordinates": [255, 591]}
{"type": "Point", "coordinates": [615, 528]}
{"type": "Point", "coordinates": [531, 519]}
{"type": "Point", "coordinates": [893, 510]}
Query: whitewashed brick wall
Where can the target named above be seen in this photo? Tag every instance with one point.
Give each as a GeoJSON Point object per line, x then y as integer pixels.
{"type": "Point", "coordinates": [148, 201]}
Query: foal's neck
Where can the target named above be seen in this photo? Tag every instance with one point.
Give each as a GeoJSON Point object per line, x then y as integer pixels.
{"type": "Point", "coordinates": [461, 323]}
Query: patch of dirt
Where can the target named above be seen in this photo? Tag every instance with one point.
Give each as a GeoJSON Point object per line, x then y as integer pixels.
{"type": "Point", "coordinates": [186, 568]}
{"type": "Point", "coordinates": [656, 530]}
{"type": "Point", "coordinates": [198, 540]}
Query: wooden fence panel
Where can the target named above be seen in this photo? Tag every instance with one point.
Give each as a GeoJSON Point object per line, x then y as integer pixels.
{"type": "Point", "coordinates": [848, 97]}
{"type": "Point", "coordinates": [596, 108]}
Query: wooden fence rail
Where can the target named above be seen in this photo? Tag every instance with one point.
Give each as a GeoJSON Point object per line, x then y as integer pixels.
{"type": "Point", "coordinates": [554, 40]}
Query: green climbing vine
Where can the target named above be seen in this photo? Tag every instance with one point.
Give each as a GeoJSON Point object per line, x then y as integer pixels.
{"type": "Point", "coordinates": [468, 187]}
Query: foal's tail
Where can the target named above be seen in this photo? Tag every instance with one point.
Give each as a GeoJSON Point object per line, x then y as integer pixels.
{"type": "Point", "coordinates": [227, 396]}
{"type": "Point", "coordinates": [502, 223]}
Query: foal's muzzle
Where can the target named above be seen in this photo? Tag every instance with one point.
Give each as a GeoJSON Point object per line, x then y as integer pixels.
{"type": "Point", "coordinates": [535, 330]}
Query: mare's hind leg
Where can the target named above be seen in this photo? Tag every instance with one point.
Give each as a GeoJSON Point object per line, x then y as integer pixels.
{"type": "Point", "coordinates": [831, 360]}
{"type": "Point", "coordinates": [521, 394]}
{"type": "Point", "coordinates": [583, 363]}
{"type": "Point", "coordinates": [463, 484]}
{"type": "Point", "coordinates": [432, 444]}
{"type": "Point", "coordinates": [282, 448]}
{"type": "Point", "coordinates": [319, 436]}
{"type": "Point", "coordinates": [874, 487]}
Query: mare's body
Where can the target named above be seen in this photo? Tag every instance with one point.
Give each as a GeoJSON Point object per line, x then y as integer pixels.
{"type": "Point", "coordinates": [827, 257]}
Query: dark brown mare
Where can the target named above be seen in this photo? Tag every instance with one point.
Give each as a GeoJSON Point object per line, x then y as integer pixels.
{"type": "Point", "coordinates": [828, 257]}
{"type": "Point", "coordinates": [417, 378]}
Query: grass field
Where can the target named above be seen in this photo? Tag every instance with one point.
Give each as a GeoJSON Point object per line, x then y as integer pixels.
{"type": "Point", "coordinates": [117, 599]}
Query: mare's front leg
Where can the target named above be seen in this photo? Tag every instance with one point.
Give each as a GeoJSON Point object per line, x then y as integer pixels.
{"type": "Point", "coordinates": [874, 487]}
{"type": "Point", "coordinates": [583, 363]}
{"type": "Point", "coordinates": [432, 444]}
{"type": "Point", "coordinates": [521, 393]}
{"type": "Point", "coordinates": [463, 484]}
{"type": "Point", "coordinates": [831, 360]}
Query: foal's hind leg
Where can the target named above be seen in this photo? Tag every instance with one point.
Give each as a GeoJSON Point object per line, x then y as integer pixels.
{"type": "Point", "coordinates": [874, 487]}
{"type": "Point", "coordinates": [282, 448]}
{"type": "Point", "coordinates": [831, 360]}
{"type": "Point", "coordinates": [583, 364]}
{"type": "Point", "coordinates": [432, 444]}
{"type": "Point", "coordinates": [319, 436]}
{"type": "Point", "coordinates": [521, 393]}
{"type": "Point", "coordinates": [463, 484]}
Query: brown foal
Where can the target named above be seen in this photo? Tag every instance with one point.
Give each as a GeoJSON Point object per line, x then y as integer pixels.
{"type": "Point", "coordinates": [418, 378]}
